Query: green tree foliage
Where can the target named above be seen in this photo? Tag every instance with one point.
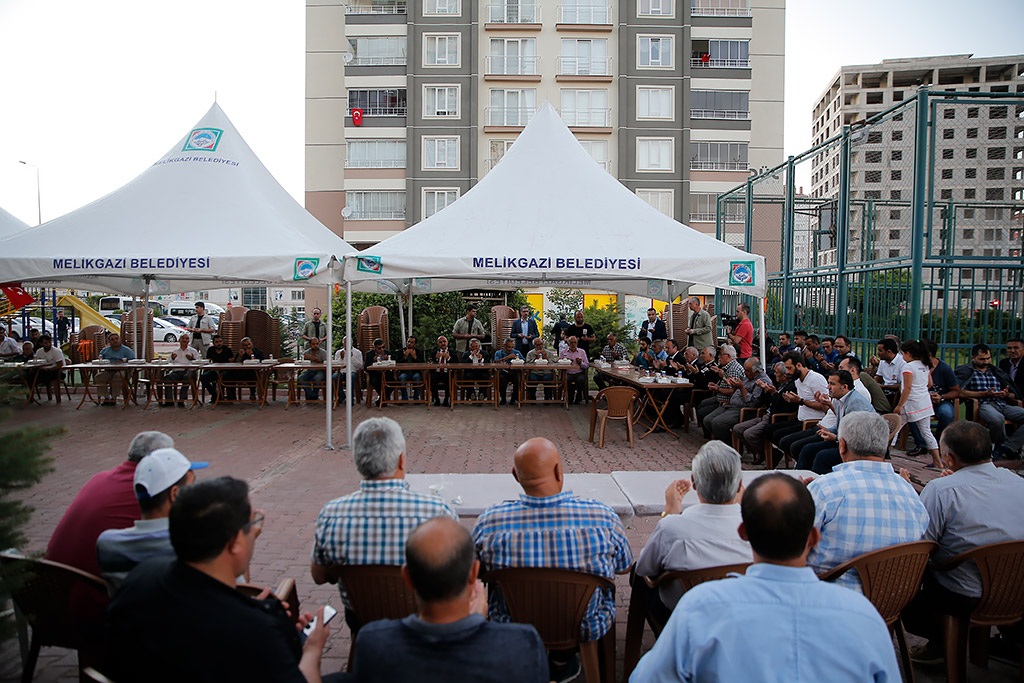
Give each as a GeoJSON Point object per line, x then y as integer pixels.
{"type": "Point", "coordinates": [433, 315]}
{"type": "Point", "coordinates": [563, 302]}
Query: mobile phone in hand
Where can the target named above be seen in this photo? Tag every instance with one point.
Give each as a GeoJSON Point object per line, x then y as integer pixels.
{"type": "Point", "coordinates": [329, 613]}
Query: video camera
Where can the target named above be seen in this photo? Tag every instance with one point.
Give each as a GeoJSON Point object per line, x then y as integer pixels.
{"type": "Point", "coordinates": [729, 320]}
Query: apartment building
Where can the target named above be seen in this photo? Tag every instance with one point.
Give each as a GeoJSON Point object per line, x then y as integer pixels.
{"type": "Point", "coordinates": [976, 146]}
{"type": "Point", "coordinates": [410, 104]}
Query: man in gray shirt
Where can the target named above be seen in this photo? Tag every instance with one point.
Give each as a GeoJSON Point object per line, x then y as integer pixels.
{"type": "Point", "coordinates": [468, 328]}
{"type": "Point", "coordinates": [158, 478]}
{"type": "Point", "coordinates": [971, 506]}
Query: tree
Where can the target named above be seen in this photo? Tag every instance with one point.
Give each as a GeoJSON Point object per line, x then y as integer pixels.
{"type": "Point", "coordinates": [563, 302]}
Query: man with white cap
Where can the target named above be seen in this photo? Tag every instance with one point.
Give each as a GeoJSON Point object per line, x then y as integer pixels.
{"type": "Point", "coordinates": [158, 478]}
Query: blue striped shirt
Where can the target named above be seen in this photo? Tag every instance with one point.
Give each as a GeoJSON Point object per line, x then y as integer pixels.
{"type": "Point", "coordinates": [560, 532]}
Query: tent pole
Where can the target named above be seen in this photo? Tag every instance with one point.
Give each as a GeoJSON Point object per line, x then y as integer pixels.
{"type": "Point", "coordinates": [671, 316]}
{"type": "Point", "coordinates": [401, 319]}
{"type": "Point", "coordinates": [764, 322]}
{"type": "Point", "coordinates": [328, 384]}
{"type": "Point", "coordinates": [410, 308]}
{"type": "Point", "coordinates": [348, 366]}
{"type": "Point", "coordinates": [145, 319]}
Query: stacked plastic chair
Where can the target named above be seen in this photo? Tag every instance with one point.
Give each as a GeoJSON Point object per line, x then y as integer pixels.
{"type": "Point", "coordinates": [372, 324]}
{"type": "Point", "coordinates": [680, 321]}
{"type": "Point", "coordinates": [136, 323]}
{"type": "Point", "coordinates": [232, 327]}
{"type": "Point", "coordinates": [265, 332]}
{"type": "Point", "coordinates": [502, 318]}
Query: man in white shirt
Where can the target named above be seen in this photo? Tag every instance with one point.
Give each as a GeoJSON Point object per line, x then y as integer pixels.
{"type": "Point", "coordinates": [808, 383]}
{"type": "Point", "coordinates": [343, 365]}
{"type": "Point", "coordinates": [202, 328]}
{"type": "Point", "coordinates": [51, 370]}
{"type": "Point", "coordinates": [181, 356]}
{"type": "Point", "coordinates": [8, 347]}
{"type": "Point", "coordinates": [702, 535]}
{"type": "Point", "coordinates": [890, 367]}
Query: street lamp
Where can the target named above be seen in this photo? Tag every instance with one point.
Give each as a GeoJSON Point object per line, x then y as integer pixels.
{"type": "Point", "coordinates": [39, 199]}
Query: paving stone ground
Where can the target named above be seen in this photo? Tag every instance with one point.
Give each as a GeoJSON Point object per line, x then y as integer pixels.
{"type": "Point", "coordinates": [281, 454]}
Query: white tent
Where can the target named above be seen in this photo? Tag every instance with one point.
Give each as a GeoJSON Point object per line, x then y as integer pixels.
{"type": "Point", "coordinates": [9, 225]}
{"type": "Point", "coordinates": [549, 215]}
{"type": "Point", "coordinates": [207, 213]}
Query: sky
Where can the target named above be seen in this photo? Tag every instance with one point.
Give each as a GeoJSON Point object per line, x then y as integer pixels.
{"type": "Point", "coordinates": [91, 93]}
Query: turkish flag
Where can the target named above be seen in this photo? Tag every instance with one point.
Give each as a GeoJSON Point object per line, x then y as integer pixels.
{"type": "Point", "coordinates": [16, 295]}
{"type": "Point", "coordinates": [357, 117]}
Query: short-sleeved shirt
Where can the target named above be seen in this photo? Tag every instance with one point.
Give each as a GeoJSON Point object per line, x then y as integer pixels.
{"type": "Point", "coordinates": [121, 353]}
{"type": "Point", "coordinates": [745, 331]}
{"type": "Point", "coordinates": [463, 326]}
{"type": "Point", "coordinates": [943, 378]}
{"type": "Point", "coordinates": [179, 357]}
{"type": "Point", "coordinates": [320, 354]}
{"type": "Point", "coordinates": [52, 357]}
{"type": "Point", "coordinates": [8, 347]}
{"type": "Point", "coordinates": [891, 372]}
{"type": "Point", "coordinates": [805, 389]}
{"type": "Point", "coordinates": [118, 551]}
{"type": "Point", "coordinates": [223, 355]}
{"type": "Point", "coordinates": [561, 532]}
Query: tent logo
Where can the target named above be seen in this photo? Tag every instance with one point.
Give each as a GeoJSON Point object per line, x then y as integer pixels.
{"type": "Point", "coordinates": [655, 288]}
{"type": "Point", "coordinates": [369, 264]}
{"type": "Point", "coordinates": [305, 268]}
{"type": "Point", "coordinates": [741, 273]}
{"type": "Point", "coordinates": [202, 140]}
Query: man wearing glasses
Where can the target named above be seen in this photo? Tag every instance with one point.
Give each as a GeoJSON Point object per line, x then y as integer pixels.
{"type": "Point", "coordinates": [183, 619]}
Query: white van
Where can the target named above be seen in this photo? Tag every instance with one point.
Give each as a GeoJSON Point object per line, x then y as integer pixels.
{"type": "Point", "coordinates": [186, 309]}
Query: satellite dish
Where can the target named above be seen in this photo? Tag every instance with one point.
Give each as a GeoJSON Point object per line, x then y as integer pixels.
{"type": "Point", "coordinates": [347, 56]}
{"type": "Point", "coordinates": [346, 212]}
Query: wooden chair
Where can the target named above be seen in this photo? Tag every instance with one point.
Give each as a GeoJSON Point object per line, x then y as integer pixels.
{"type": "Point", "coordinates": [696, 396]}
{"type": "Point", "coordinates": [638, 613]}
{"type": "Point", "coordinates": [619, 407]}
{"type": "Point", "coordinates": [375, 591]}
{"type": "Point", "coordinates": [285, 592]}
{"type": "Point", "coordinates": [891, 577]}
{"type": "Point", "coordinates": [554, 601]}
{"type": "Point", "coordinates": [280, 377]}
{"type": "Point", "coordinates": [746, 414]}
{"type": "Point", "coordinates": [972, 413]}
{"type": "Point", "coordinates": [1001, 566]}
{"type": "Point", "coordinates": [770, 448]}
{"type": "Point", "coordinates": [45, 595]}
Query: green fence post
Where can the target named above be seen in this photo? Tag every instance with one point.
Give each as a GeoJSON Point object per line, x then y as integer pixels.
{"type": "Point", "coordinates": [919, 202]}
{"type": "Point", "coordinates": [788, 242]}
{"type": "Point", "coordinates": [842, 233]}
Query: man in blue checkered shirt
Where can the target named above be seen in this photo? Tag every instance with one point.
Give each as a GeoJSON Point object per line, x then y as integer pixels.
{"type": "Point", "coordinates": [997, 401]}
{"type": "Point", "coordinates": [863, 505]}
{"type": "Point", "coordinates": [548, 527]}
{"type": "Point", "coordinates": [370, 526]}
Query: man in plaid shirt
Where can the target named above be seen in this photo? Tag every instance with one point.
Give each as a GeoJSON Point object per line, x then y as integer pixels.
{"type": "Point", "coordinates": [370, 526]}
{"type": "Point", "coordinates": [549, 527]}
{"type": "Point", "coordinates": [997, 396]}
{"type": "Point", "coordinates": [863, 505]}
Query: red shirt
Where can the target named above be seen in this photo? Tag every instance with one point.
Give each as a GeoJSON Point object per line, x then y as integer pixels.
{"type": "Point", "coordinates": [745, 331]}
{"type": "Point", "coordinates": [107, 501]}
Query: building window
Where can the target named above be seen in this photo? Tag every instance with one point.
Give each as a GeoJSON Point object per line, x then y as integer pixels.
{"type": "Point", "coordinates": [375, 206]}
{"type": "Point", "coordinates": [497, 151]}
{"type": "Point", "coordinates": [946, 194]}
{"type": "Point", "coordinates": [718, 156]}
{"type": "Point", "coordinates": [993, 194]}
{"type": "Point", "coordinates": [949, 113]}
{"type": "Point", "coordinates": [441, 152]}
{"type": "Point", "coordinates": [655, 8]}
{"type": "Point", "coordinates": [969, 173]}
{"type": "Point", "coordinates": [998, 173]}
{"type": "Point", "coordinates": [872, 176]}
{"type": "Point", "coordinates": [655, 52]}
{"type": "Point", "coordinates": [720, 54]}
{"type": "Point", "coordinates": [441, 50]}
{"type": "Point", "coordinates": [513, 12]}
{"type": "Point", "coordinates": [947, 174]}
{"type": "Point", "coordinates": [598, 151]}
{"type": "Point", "coordinates": [436, 199]}
{"type": "Point", "coordinates": [659, 199]}
{"type": "Point", "coordinates": [511, 107]}
{"type": "Point", "coordinates": [972, 112]}
{"type": "Point", "coordinates": [997, 133]}
{"type": "Point", "coordinates": [441, 101]}
{"type": "Point", "coordinates": [655, 154]}
{"type": "Point", "coordinates": [704, 207]}
{"type": "Point", "coordinates": [896, 175]}
{"type": "Point", "coordinates": [375, 7]}
{"type": "Point", "coordinates": [377, 51]}
{"type": "Point", "coordinates": [994, 153]}
{"type": "Point", "coordinates": [586, 57]}
{"type": "Point", "coordinates": [970, 193]}
{"type": "Point", "coordinates": [897, 135]}
{"type": "Point", "coordinates": [873, 156]}
{"type": "Point", "coordinates": [655, 103]}
{"type": "Point", "coordinates": [947, 154]}
{"type": "Point", "coordinates": [584, 12]}
{"type": "Point", "coordinates": [720, 104]}
{"type": "Point", "coordinates": [254, 297]}
{"type": "Point", "coordinates": [513, 56]}
{"type": "Point", "coordinates": [972, 132]}
{"type": "Point", "coordinates": [379, 102]}
{"type": "Point", "coordinates": [971, 153]}
{"type": "Point", "coordinates": [585, 108]}
{"type": "Point", "coordinates": [374, 153]}
{"type": "Point", "coordinates": [997, 112]}
{"type": "Point", "coordinates": [720, 8]}
{"type": "Point", "coordinates": [298, 295]}
{"type": "Point", "coordinates": [436, 7]}
{"type": "Point", "coordinates": [947, 133]}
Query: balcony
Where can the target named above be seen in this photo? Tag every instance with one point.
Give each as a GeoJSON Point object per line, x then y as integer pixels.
{"type": "Point", "coordinates": [701, 63]}
{"type": "Point", "coordinates": [512, 13]}
{"type": "Point", "coordinates": [720, 11]}
{"type": "Point", "coordinates": [594, 15]}
{"type": "Point", "coordinates": [383, 8]}
{"type": "Point", "coordinates": [726, 115]}
{"type": "Point", "coordinates": [587, 118]}
{"type": "Point", "coordinates": [572, 67]}
{"type": "Point", "coordinates": [697, 165]}
{"type": "Point", "coordinates": [378, 61]}
{"type": "Point", "coordinates": [509, 117]}
{"type": "Point", "coordinates": [501, 65]}
{"type": "Point", "coordinates": [376, 215]}
{"type": "Point", "coordinates": [702, 217]}
{"type": "Point", "coordinates": [382, 110]}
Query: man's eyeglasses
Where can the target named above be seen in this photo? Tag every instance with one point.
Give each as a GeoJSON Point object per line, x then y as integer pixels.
{"type": "Point", "coordinates": [256, 523]}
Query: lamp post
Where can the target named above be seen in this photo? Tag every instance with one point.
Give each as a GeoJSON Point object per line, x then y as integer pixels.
{"type": "Point", "coordinates": [39, 199]}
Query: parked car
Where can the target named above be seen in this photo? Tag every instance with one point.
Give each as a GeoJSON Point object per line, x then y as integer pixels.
{"type": "Point", "coordinates": [174, 320]}
{"type": "Point", "coordinates": [163, 331]}
{"type": "Point", "coordinates": [17, 332]}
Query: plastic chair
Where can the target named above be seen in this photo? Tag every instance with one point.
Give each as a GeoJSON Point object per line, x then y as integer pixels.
{"type": "Point", "coordinates": [554, 601]}
{"type": "Point", "coordinates": [895, 425]}
{"type": "Point", "coordinates": [770, 448]}
{"type": "Point", "coordinates": [1001, 566]}
{"type": "Point", "coordinates": [638, 613]}
{"type": "Point", "coordinates": [45, 595]}
{"type": "Point", "coordinates": [891, 577]}
{"type": "Point", "coordinates": [285, 592]}
{"type": "Point", "coordinates": [620, 407]}
{"type": "Point", "coordinates": [375, 591]}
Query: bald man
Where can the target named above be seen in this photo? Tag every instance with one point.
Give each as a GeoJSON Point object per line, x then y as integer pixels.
{"type": "Point", "coordinates": [549, 527]}
{"type": "Point", "coordinates": [448, 639]}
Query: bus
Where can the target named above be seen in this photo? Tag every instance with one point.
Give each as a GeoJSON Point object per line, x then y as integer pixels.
{"type": "Point", "coordinates": [109, 304]}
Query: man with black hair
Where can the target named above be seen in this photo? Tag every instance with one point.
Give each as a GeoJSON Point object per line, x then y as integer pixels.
{"type": "Point", "coordinates": [890, 367]}
{"type": "Point", "coordinates": [807, 385]}
{"type": "Point", "coordinates": [820, 451]}
{"type": "Point", "coordinates": [1011, 365]}
{"type": "Point", "coordinates": [159, 477]}
{"type": "Point", "coordinates": [855, 367]}
{"type": "Point", "coordinates": [785, 343]}
{"type": "Point", "coordinates": [971, 506]}
{"type": "Point", "coordinates": [218, 353]}
{"type": "Point", "coordinates": [992, 387]}
{"type": "Point", "coordinates": [717, 619]}
{"type": "Point", "coordinates": [449, 638]}
{"type": "Point", "coordinates": [185, 620]}
{"type": "Point", "coordinates": [653, 328]}
{"type": "Point", "coordinates": [468, 328]}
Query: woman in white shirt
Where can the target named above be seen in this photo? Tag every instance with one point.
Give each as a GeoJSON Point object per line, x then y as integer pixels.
{"type": "Point", "coordinates": [915, 403]}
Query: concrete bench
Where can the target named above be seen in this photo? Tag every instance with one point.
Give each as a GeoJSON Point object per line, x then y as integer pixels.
{"type": "Point", "coordinates": [646, 490]}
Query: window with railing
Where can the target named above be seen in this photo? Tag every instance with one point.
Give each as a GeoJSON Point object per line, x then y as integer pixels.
{"type": "Point", "coordinates": [662, 200]}
{"type": "Point", "coordinates": [372, 205]}
{"type": "Point", "coordinates": [513, 56]}
{"type": "Point", "coordinates": [704, 207]}
{"type": "Point", "coordinates": [511, 107]}
{"type": "Point", "coordinates": [586, 57]}
{"type": "Point", "coordinates": [441, 152]}
{"type": "Point", "coordinates": [377, 50]}
{"type": "Point", "coordinates": [436, 199]}
{"type": "Point", "coordinates": [512, 13]}
{"type": "Point", "coordinates": [356, 7]}
{"type": "Point", "coordinates": [720, 54]}
{"type": "Point", "coordinates": [585, 108]}
{"type": "Point", "coordinates": [655, 8]}
{"type": "Point", "coordinates": [655, 52]}
{"type": "Point", "coordinates": [584, 12]}
{"type": "Point", "coordinates": [654, 103]}
{"type": "Point", "coordinates": [655, 154]}
{"type": "Point", "coordinates": [436, 7]}
{"type": "Point", "coordinates": [378, 102]}
{"type": "Point", "coordinates": [719, 156]}
{"type": "Point", "coordinates": [375, 154]}
{"type": "Point", "coordinates": [720, 8]}
{"type": "Point", "coordinates": [720, 104]}
{"type": "Point", "coordinates": [598, 151]}
{"type": "Point", "coordinates": [441, 49]}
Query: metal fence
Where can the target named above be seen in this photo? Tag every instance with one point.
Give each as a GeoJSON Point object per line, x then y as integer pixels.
{"type": "Point", "coordinates": [914, 226]}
